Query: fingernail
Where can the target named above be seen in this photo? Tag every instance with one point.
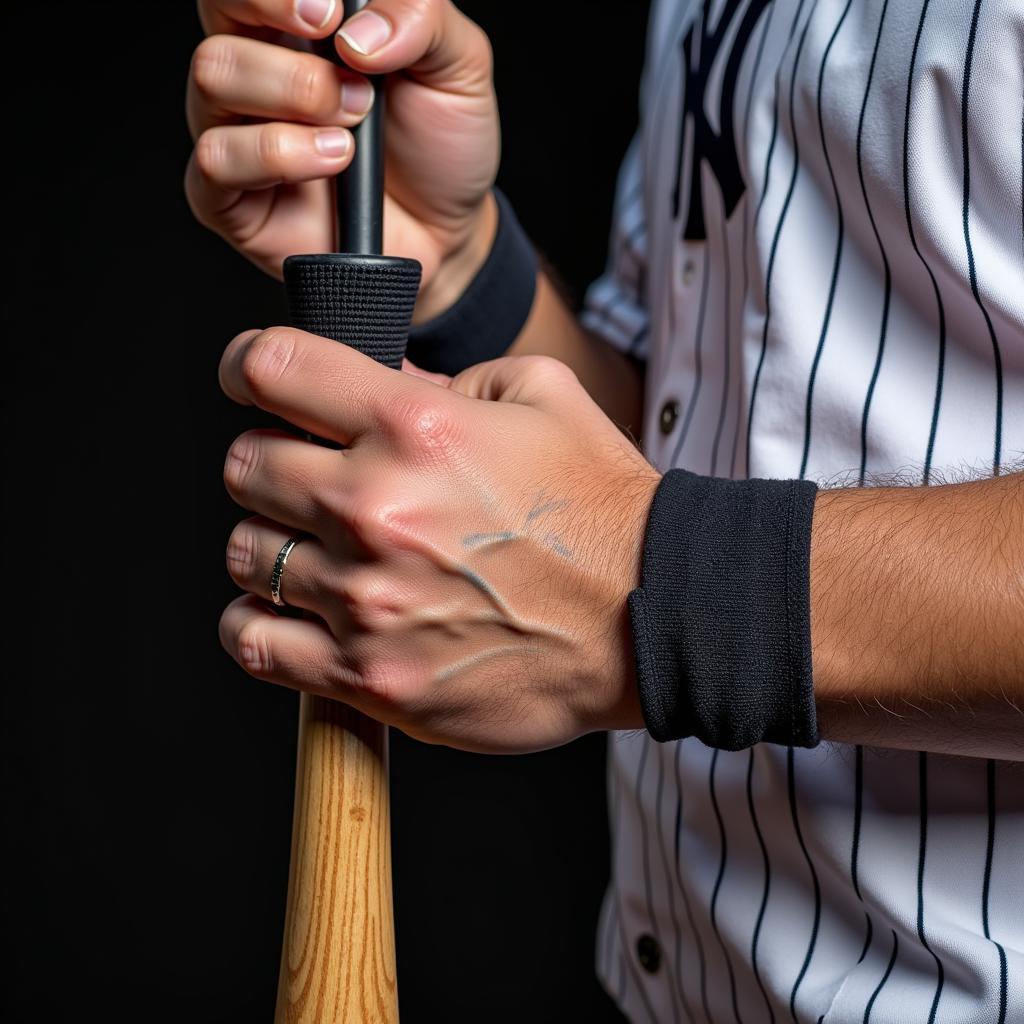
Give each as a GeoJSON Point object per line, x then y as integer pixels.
{"type": "Point", "coordinates": [356, 97]}
{"type": "Point", "coordinates": [333, 142]}
{"type": "Point", "coordinates": [366, 32]}
{"type": "Point", "coordinates": [315, 12]}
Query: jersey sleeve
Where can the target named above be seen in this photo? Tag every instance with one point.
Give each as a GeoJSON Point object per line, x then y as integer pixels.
{"type": "Point", "coordinates": [615, 305]}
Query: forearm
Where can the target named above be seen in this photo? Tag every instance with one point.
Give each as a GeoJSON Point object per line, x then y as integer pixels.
{"type": "Point", "coordinates": [917, 616]}
{"type": "Point", "coordinates": [613, 380]}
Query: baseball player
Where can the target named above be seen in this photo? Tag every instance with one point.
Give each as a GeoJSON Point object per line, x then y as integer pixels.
{"type": "Point", "coordinates": [798, 607]}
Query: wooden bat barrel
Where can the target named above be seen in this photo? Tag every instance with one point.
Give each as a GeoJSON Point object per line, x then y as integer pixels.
{"type": "Point", "coordinates": [338, 955]}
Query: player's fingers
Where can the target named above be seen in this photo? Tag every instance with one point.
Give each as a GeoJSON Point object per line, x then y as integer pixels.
{"type": "Point", "coordinates": [331, 390]}
{"type": "Point", "coordinates": [300, 653]}
{"type": "Point", "coordinates": [310, 19]}
{"type": "Point", "coordinates": [246, 221]}
{"type": "Point", "coordinates": [231, 77]}
{"type": "Point", "coordinates": [297, 483]}
{"type": "Point", "coordinates": [310, 577]}
{"type": "Point", "coordinates": [432, 38]}
{"type": "Point", "coordinates": [257, 156]}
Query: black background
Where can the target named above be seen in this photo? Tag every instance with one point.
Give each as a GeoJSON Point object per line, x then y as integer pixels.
{"type": "Point", "coordinates": [147, 780]}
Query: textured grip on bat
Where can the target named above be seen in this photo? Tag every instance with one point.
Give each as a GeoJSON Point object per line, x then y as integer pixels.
{"type": "Point", "coordinates": [363, 301]}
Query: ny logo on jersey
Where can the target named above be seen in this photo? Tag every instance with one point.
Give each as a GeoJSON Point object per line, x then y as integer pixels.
{"type": "Point", "coordinates": [700, 54]}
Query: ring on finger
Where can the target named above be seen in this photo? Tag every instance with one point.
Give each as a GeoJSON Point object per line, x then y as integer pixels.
{"type": "Point", "coordinates": [277, 573]}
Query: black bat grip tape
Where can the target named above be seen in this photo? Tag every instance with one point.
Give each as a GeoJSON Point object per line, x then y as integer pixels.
{"type": "Point", "coordinates": [364, 301]}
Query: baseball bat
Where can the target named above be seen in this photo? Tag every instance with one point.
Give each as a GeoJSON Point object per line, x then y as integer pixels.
{"type": "Point", "coordinates": [338, 952]}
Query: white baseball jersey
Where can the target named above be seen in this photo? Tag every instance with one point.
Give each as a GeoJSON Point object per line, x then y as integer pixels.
{"type": "Point", "coordinates": [819, 250]}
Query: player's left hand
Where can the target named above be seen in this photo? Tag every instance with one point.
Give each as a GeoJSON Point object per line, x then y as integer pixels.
{"type": "Point", "coordinates": [467, 555]}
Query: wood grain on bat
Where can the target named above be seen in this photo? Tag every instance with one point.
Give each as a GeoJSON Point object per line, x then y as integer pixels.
{"type": "Point", "coordinates": [338, 958]}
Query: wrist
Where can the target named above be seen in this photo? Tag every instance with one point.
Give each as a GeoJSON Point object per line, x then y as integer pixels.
{"type": "Point", "coordinates": [632, 509]}
{"type": "Point", "coordinates": [491, 310]}
{"type": "Point", "coordinates": [458, 268]}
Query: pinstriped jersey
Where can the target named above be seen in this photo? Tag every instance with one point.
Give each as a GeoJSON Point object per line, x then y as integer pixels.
{"type": "Point", "coordinates": [818, 249]}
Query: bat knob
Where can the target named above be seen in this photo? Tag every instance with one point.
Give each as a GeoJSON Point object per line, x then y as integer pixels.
{"type": "Point", "coordinates": [363, 301]}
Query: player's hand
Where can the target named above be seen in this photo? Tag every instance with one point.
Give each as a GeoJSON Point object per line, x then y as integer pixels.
{"type": "Point", "coordinates": [271, 125]}
{"type": "Point", "coordinates": [467, 556]}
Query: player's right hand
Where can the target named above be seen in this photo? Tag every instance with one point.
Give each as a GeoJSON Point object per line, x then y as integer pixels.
{"type": "Point", "coordinates": [271, 121]}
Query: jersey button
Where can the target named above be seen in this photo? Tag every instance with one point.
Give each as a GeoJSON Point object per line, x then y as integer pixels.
{"type": "Point", "coordinates": [689, 268]}
{"type": "Point", "coordinates": [669, 415]}
{"type": "Point", "coordinates": [648, 952]}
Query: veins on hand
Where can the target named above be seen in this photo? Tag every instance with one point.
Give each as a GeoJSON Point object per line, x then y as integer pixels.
{"type": "Point", "coordinates": [474, 541]}
{"type": "Point", "coordinates": [482, 541]}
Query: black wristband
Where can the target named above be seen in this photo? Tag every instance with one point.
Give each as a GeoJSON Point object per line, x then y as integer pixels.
{"type": "Point", "coordinates": [721, 620]}
{"type": "Point", "coordinates": [488, 316]}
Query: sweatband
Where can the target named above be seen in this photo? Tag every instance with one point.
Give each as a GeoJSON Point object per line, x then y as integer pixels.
{"type": "Point", "coordinates": [488, 316]}
{"type": "Point", "coordinates": [721, 620]}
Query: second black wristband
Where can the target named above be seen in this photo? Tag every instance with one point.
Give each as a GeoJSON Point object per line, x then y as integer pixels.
{"type": "Point", "coordinates": [721, 619]}
{"type": "Point", "coordinates": [488, 316]}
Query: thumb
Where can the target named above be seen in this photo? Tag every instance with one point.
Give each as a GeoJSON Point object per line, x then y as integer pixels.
{"type": "Point", "coordinates": [433, 39]}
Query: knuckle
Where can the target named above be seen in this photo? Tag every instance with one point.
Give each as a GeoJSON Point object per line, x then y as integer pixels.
{"type": "Point", "coordinates": [364, 602]}
{"type": "Point", "coordinates": [211, 153]}
{"type": "Point", "coordinates": [213, 64]}
{"type": "Point", "coordinates": [242, 553]}
{"type": "Point", "coordinates": [266, 359]}
{"type": "Point", "coordinates": [548, 370]}
{"type": "Point", "coordinates": [431, 428]}
{"type": "Point", "coordinates": [307, 91]}
{"type": "Point", "coordinates": [377, 524]}
{"type": "Point", "coordinates": [242, 461]}
{"type": "Point", "coordinates": [271, 147]}
{"type": "Point", "coordinates": [254, 649]}
{"type": "Point", "coordinates": [417, 12]}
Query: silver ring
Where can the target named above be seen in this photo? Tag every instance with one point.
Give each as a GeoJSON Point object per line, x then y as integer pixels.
{"type": "Point", "coordinates": [278, 570]}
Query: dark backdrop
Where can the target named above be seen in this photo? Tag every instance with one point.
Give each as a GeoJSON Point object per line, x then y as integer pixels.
{"type": "Point", "coordinates": [147, 780]}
